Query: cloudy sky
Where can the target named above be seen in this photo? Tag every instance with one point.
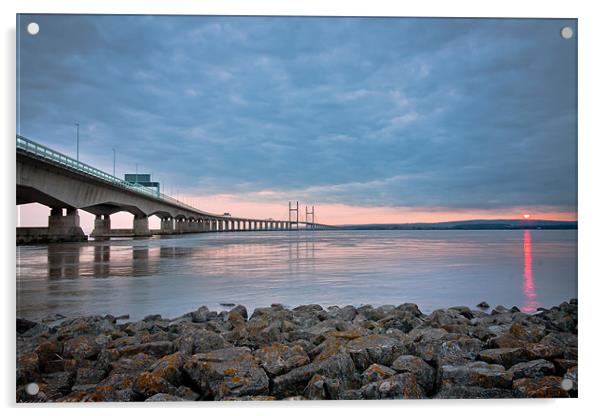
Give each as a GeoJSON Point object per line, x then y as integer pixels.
{"type": "Point", "coordinates": [369, 119]}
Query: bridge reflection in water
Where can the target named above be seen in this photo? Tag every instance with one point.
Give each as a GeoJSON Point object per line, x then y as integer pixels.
{"type": "Point", "coordinates": [74, 261]}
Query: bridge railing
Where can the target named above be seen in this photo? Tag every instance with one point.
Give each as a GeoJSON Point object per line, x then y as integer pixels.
{"type": "Point", "coordinates": [41, 151]}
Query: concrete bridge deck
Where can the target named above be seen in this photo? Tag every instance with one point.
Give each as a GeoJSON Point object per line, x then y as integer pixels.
{"type": "Point", "coordinates": [66, 185]}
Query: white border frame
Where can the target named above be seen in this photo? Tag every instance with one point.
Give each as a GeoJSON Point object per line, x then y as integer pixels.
{"type": "Point", "coordinates": [590, 70]}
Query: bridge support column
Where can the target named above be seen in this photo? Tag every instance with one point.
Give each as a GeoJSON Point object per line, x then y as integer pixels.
{"type": "Point", "coordinates": [141, 226]}
{"type": "Point", "coordinates": [167, 225]}
{"type": "Point", "coordinates": [64, 227]}
{"type": "Point", "coordinates": [220, 225]}
{"type": "Point", "coordinates": [102, 226]}
{"type": "Point", "coordinates": [180, 226]}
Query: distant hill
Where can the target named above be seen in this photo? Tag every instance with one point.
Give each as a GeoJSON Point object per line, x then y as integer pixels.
{"type": "Point", "coordinates": [471, 225]}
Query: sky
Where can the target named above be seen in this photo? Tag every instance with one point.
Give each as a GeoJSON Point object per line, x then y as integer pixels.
{"type": "Point", "coordinates": [371, 120]}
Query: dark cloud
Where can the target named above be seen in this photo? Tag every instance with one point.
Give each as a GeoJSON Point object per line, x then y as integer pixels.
{"type": "Point", "coordinates": [458, 113]}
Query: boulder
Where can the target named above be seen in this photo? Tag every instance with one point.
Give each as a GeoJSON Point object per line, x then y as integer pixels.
{"type": "Point", "coordinates": [200, 315]}
{"type": "Point", "coordinates": [156, 348]}
{"type": "Point", "coordinates": [450, 349]}
{"type": "Point", "coordinates": [377, 372]}
{"type": "Point", "coordinates": [347, 313]}
{"type": "Point", "coordinates": [323, 388]}
{"type": "Point", "coordinates": [163, 397]}
{"type": "Point", "coordinates": [424, 373]}
{"type": "Point", "coordinates": [503, 356]}
{"type": "Point", "coordinates": [473, 392]}
{"type": "Point", "coordinates": [400, 386]}
{"type": "Point", "coordinates": [339, 366]}
{"type": "Point", "coordinates": [544, 387]}
{"type": "Point", "coordinates": [532, 369]}
{"type": "Point", "coordinates": [199, 342]}
{"type": "Point", "coordinates": [477, 373]}
{"type": "Point", "coordinates": [227, 372]}
{"type": "Point", "coordinates": [148, 384]}
{"type": "Point", "coordinates": [86, 375]}
{"type": "Point", "coordinates": [278, 358]}
{"type": "Point", "coordinates": [379, 349]}
{"type": "Point", "coordinates": [169, 368]}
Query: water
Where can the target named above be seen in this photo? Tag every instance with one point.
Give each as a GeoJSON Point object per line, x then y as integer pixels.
{"type": "Point", "coordinates": [174, 275]}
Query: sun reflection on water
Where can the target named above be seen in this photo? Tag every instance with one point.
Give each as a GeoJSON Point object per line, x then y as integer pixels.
{"type": "Point", "coordinates": [530, 304]}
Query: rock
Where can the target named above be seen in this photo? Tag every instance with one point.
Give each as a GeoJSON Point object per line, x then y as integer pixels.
{"type": "Point", "coordinates": [561, 341]}
{"type": "Point", "coordinates": [450, 349]}
{"type": "Point", "coordinates": [200, 341]}
{"type": "Point", "coordinates": [81, 347]}
{"type": "Point", "coordinates": [48, 352]}
{"type": "Point", "coordinates": [506, 340]}
{"type": "Point", "coordinates": [227, 372]}
{"type": "Point", "coordinates": [240, 310]}
{"type": "Point", "coordinates": [331, 346]}
{"type": "Point", "coordinates": [339, 366]}
{"type": "Point", "coordinates": [464, 311]}
{"type": "Point", "coordinates": [473, 392]}
{"type": "Point", "coordinates": [352, 333]}
{"type": "Point", "coordinates": [187, 393]}
{"type": "Point", "coordinates": [351, 394]}
{"type": "Point", "coordinates": [156, 348]}
{"type": "Point", "coordinates": [148, 384]}
{"type": "Point", "coordinates": [424, 373]}
{"type": "Point", "coordinates": [322, 388]}
{"type": "Point", "coordinates": [24, 325]}
{"type": "Point", "coordinates": [255, 398]}
{"type": "Point", "coordinates": [376, 372]}
{"type": "Point", "coordinates": [478, 373]}
{"type": "Point", "coordinates": [134, 364]}
{"type": "Point", "coordinates": [530, 333]}
{"type": "Point", "coordinates": [400, 386]}
{"type": "Point", "coordinates": [278, 358]}
{"type": "Point", "coordinates": [404, 321]}
{"type": "Point", "coordinates": [503, 356]}
{"type": "Point", "coordinates": [201, 314]}
{"type": "Point", "coordinates": [532, 369]}
{"type": "Point", "coordinates": [371, 349]}
{"type": "Point", "coordinates": [169, 368]}
{"type": "Point", "coordinates": [483, 305]}
{"type": "Point", "coordinates": [347, 313]}
{"type": "Point", "coordinates": [163, 397]}
{"type": "Point", "coordinates": [498, 310]}
{"type": "Point", "coordinates": [562, 365]}
{"type": "Point", "coordinates": [56, 385]}
{"type": "Point", "coordinates": [85, 376]}
{"type": "Point", "coordinates": [28, 368]}
{"type": "Point", "coordinates": [545, 387]}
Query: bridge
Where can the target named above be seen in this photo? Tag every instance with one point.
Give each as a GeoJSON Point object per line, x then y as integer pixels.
{"type": "Point", "coordinates": [66, 185]}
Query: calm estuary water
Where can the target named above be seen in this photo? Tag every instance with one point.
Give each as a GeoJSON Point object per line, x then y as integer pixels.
{"type": "Point", "coordinates": [174, 275]}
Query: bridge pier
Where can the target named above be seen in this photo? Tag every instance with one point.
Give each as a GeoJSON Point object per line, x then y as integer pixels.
{"type": "Point", "coordinates": [179, 227]}
{"type": "Point", "coordinates": [167, 225]}
{"type": "Point", "coordinates": [141, 226]}
{"type": "Point", "coordinates": [64, 227]}
{"type": "Point", "coordinates": [102, 226]}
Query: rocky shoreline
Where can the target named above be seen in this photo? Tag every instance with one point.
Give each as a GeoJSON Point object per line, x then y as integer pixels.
{"type": "Point", "coordinates": [308, 352]}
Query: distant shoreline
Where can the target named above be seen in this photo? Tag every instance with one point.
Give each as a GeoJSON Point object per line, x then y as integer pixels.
{"type": "Point", "coordinates": [470, 225]}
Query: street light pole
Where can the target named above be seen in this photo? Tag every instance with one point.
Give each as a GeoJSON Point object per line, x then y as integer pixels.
{"type": "Point", "coordinates": [77, 135]}
{"type": "Point", "coordinates": [113, 162]}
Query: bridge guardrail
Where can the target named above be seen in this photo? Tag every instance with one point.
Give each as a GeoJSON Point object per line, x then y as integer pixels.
{"type": "Point", "coordinates": [39, 150]}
